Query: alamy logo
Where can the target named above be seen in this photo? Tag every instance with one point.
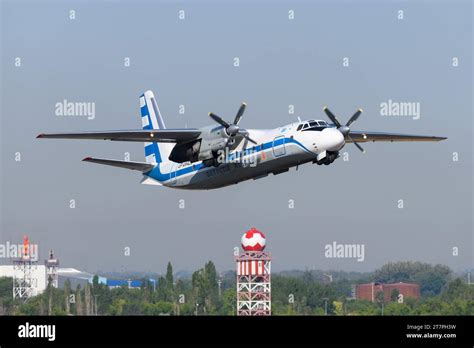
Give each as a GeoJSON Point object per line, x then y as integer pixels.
{"type": "Point", "coordinates": [394, 108]}
{"type": "Point", "coordinates": [37, 331]}
{"type": "Point", "coordinates": [13, 251]}
{"type": "Point", "coordinates": [81, 109]}
{"type": "Point", "coordinates": [345, 251]}
{"type": "Point", "coordinates": [247, 158]}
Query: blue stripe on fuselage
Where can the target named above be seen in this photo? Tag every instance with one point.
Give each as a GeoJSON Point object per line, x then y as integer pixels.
{"type": "Point", "coordinates": [156, 174]}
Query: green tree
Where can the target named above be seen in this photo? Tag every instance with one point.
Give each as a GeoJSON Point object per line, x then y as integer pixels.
{"type": "Point", "coordinates": [458, 289]}
{"type": "Point", "coordinates": [6, 300]}
{"type": "Point", "coordinates": [430, 278]}
{"type": "Point", "coordinates": [161, 289]}
{"type": "Point", "coordinates": [362, 307]}
{"type": "Point", "coordinates": [116, 308]}
{"type": "Point", "coordinates": [79, 305]}
{"type": "Point", "coordinates": [170, 293]}
{"type": "Point", "coordinates": [88, 299]}
{"type": "Point", "coordinates": [205, 289]}
{"type": "Point", "coordinates": [395, 308]}
{"type": "Point", "coordinates": [67, 294]}
{"type": "Point", "coordinates": [338, 307]}
{"type": "Point", "coordinates": [380, 300]}
{"type": "Point", "coordinates": [229, 302]}
{"type": "Point", "coordinates": [394, 295]}
{"type": "Point", "coordinates": [211, 274]}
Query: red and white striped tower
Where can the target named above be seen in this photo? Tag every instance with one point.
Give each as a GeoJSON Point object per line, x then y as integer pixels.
{"type": "Point", "coordinates": [253, 275]}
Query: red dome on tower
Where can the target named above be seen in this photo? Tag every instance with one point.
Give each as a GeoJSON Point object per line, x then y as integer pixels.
{"type": "Point", "coordinates": [253, 240]}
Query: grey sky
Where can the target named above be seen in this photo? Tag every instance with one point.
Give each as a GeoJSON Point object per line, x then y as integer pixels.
{"type": "Point", "coordinates": [282, 62]}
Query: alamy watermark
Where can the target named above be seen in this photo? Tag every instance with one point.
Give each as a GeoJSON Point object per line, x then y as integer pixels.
{"type": "Point", "coordinates": [28, 330]}
{"type": "Point", "coordinates": [345, 251]}
{"type": "Point", "coordinates": [401, 108]}
{"type": "Point", "coordinates": [75, 109]}
{"type": "Point", "coordinates": [15, 251]}
{"type": "Point", "coordinates": [247, 157]}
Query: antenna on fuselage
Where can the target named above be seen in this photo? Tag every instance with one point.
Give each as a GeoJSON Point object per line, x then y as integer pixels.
{"type": "Point", "coordinates": [299, 119]}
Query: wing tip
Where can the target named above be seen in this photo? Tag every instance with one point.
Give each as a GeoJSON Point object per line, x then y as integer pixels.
{"type": "Point", "coordinates": [87, 159]}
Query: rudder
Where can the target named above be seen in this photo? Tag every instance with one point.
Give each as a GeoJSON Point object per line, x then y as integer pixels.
{"type": "Point", "coordinates": [152, 119]}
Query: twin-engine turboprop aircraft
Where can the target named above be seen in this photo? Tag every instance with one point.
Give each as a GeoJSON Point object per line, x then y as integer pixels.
{"type": "Point", "coordinates": [225, 154]}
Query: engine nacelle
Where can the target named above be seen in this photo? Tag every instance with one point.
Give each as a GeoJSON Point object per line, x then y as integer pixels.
{"type": "Point", "coordinates": [213, 140]}
{"type": "Point", "coordinates": [219, 145]}
{"type": "Point", "coordinates": [186, 152]}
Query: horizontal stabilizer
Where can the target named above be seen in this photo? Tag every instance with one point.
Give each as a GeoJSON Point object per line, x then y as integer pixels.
{"type": "Point", "coordinates": [150, 181]}
{"type": "Point", "coordinates": [152, 135]}
{"type": "Point", "coordinates": [140, 166]}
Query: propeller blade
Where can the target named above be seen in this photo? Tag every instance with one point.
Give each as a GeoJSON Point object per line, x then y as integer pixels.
{"type": "Point", "coordinates": [229, 139]}
{"type": "Point", "coordinates": [240, 113]}
{"type": "Point", "coordinates": [331, 116]}
{"type": "Point", "coordinates": [219, 120]}
{"type": "Point", "coordinates": [356, 144]}
{"type": "Point", "coordinates": [354, 117]}
{"type": "Point", "coordinates": [246, 136]}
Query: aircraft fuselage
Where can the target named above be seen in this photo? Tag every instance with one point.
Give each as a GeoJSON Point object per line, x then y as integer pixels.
{"type": "Point", "coordinates": [276, 151]}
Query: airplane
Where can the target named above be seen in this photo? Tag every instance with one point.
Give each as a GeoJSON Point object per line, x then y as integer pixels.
{"type": "Point", "coordinates": [224, 154]}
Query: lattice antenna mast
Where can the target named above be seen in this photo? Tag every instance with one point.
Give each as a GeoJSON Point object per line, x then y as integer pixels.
{"type": "Point", "coordinates": [52, 264]}
{"type": "Point", "coordinates": [24, 267]}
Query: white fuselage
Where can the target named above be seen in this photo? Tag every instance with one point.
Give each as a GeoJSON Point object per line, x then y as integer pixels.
{"type": "Point", "coordinates": [276, 151]}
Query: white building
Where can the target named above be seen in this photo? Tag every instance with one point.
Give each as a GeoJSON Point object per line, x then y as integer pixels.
{"type": "Point", "coordinates": [77, 277]}
{"type": "Point", "coordinates": [38, 273]}
{"type": "Point", "coordinates": [40, 278]}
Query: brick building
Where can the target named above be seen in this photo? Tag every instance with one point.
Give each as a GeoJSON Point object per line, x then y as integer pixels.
{"type": "Point", "coordinates": [369, 291]}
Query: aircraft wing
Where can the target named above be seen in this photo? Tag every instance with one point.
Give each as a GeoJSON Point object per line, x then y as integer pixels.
{"type": "Point", "coordinates": [140, 166]}
{"type": "Point", "coordinates": [364, 137]}
{"type": "Point", "coordinates": [152, 135]}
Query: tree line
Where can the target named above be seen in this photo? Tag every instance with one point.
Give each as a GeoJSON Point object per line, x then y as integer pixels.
{"type": "Point", "coordinates": [293, 293]}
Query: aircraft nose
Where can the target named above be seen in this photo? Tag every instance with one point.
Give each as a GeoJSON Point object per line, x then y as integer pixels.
{"type": "Point", "coordinates": [336, 139]}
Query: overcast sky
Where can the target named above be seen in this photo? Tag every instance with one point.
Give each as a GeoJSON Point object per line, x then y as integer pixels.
{"type": "Point", "coordinates": [283, 62]}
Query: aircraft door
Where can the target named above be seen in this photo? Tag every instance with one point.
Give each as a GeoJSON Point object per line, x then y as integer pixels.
{"type": "Point", "coordinates": [174, 169]}
{"type": "Point", "coordinates": [279, 146]}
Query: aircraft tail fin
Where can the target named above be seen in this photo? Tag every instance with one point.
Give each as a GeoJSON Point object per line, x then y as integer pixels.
{"type": "Point", "coordinates": [151, 119]}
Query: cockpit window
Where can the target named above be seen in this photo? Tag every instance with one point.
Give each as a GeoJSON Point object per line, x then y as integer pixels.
{"type": "Point", "coordinates": [312, 125]}
{"type": "Point", "coordinates": [315, 126]}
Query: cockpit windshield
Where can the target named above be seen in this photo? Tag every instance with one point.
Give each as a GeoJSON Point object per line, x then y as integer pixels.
{"type": "Point", "coordinates": [312, 125]}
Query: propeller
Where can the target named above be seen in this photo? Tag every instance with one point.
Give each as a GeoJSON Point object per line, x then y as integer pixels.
{"type": "Point", "coordinates": [233, 129]}
{"type": "Point", "coordinates": [344, 129]}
